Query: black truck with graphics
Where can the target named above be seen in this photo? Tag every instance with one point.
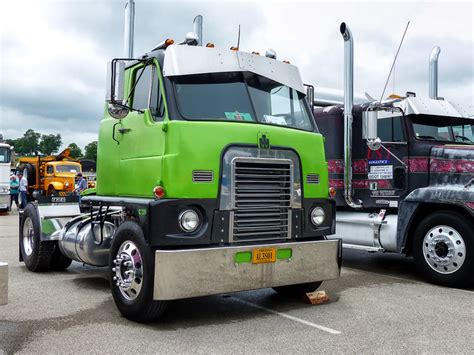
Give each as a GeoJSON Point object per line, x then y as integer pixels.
{"type": "Point", "coordinates": [402, 171]}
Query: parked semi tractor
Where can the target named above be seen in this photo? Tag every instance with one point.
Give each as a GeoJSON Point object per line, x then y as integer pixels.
{"type": "Point", "coordinates": [403, 170]}
{"type": "Point", "coordinates": [211, 178]}
{"type": "Point", "coordinates": [5, 165]}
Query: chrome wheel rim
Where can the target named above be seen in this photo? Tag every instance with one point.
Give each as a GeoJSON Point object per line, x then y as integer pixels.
{"type": "Point", "coordinates": [28, 234]}
{"type": "Point", "coordinates": [444, 249]}
{"type": "Point", "coordinates": [128, 270]}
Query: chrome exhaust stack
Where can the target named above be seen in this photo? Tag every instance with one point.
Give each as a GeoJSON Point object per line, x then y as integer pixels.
{"type": "Point", "coordinates": [198, 29]}
{"type": "Point", "coordinates": [129, 29]}
{"type": "Point", "coordinates": [433, 73]}
{"type": "Point", "coordinates": [348, 104]}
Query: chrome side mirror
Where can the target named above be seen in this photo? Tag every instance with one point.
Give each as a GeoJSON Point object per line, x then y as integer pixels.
{"type": "Point", "coordinates": [309, 95]}
{"type": "Point", "coordinates": [115, 89]}
{"type": "Point", "coordinates": [369, 129]}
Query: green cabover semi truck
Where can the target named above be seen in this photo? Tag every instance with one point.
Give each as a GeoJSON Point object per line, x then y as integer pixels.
{"type": "Point", "coordinates": [211, 178]}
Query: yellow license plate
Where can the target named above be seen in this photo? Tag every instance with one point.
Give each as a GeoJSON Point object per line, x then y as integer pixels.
{"type": "Point", "coordinates": [263, 255]}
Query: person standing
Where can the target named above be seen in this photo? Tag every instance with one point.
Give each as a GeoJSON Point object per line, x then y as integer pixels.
{"type": "Point", "coordinates": [14, 189]}
{"type": "Point", "coordinates": [81, 185]}
{"type": "Point", "coordinates": [23, 189]}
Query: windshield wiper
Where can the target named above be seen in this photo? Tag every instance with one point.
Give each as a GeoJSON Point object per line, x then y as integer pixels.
{"type": "Point", "coordinates": [426, 137]}
{"type": "Point", "coordinates": [462, 138]}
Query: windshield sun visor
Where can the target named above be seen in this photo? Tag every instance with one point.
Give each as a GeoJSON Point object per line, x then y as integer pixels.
{"type": "Point", "coordinates": [188, 60]}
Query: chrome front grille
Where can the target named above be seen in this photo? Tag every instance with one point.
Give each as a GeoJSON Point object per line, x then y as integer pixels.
{"type": "Point", "coordinates": [261, 195]}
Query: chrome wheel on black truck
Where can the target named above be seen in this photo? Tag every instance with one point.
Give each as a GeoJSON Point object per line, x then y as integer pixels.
{"type": "Point", "coordinates": [131, 275]}
{"type": "Point", "coordinates": [444, 243]}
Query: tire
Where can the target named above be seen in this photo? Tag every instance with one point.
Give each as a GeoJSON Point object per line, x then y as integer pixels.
{"type": "Point", "coordinates": [52, 191]}
{"type": "Point", "coordinates": [59, 262]}
{"type": "Point", "coordinates": [30, 174]}
{"type": "Point", "coordinates": [297, 290]}
{"type": "Point", "coordinates": [36, 254]}
{"type": "Point", "coordinates": [443, 249]}
{"type": "Point", "coordinates": [133, 294]}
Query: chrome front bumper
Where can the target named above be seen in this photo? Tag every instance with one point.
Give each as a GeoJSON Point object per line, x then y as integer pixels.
{"type": "Point", "coordinates": [199, 272]}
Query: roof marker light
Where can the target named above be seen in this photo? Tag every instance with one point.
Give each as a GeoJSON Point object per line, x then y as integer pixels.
{"type": "Point", "coordinates": [210, 45]}
{"type": "Point", "coordinates": [270, 53]}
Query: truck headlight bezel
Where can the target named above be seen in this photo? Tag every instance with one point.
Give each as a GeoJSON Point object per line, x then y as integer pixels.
{"type": "Point", "coordinates": [317, 216]}
{"type": "Point", "coordinates": [189, 220]}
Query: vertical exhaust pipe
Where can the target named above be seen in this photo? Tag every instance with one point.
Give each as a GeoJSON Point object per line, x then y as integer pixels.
{"type": "Point", "coordinates": [198, 28]}
{"type": "Point", "coordinates": [129, 29]}
{"type": "Point", "coordinates": [433, 74]}
{"type": "Point", "coordinates": [348, 104]}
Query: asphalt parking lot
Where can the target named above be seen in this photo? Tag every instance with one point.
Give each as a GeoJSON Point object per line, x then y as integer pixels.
{"type": "Point", "coordinates": [379, 305]}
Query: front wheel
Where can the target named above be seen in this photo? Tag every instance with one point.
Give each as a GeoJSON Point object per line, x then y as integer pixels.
{"type": "Point", "coordinates": [444, 249]}
{"type": "Point", "coordinates": [36, 254]}
{"type": "Point", "coordinates": [297, 290]}
{"type": "Point", "coordinates": [131, 275]}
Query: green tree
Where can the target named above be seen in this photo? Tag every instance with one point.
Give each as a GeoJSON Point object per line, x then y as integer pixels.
{"type": "Point", "coordinates": [91, 151]}
{"type": "Point", "coordinates": [50, 143]}
{"type": "Point", "coordinates": [76, 152]}
{"type": "Point", "coordinates": [28, 144]}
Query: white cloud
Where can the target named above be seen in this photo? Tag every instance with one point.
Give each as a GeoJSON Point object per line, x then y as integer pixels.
{"type": "Point", "coordinates": [53, 53]}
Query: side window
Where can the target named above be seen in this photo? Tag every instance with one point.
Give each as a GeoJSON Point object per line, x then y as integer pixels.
{"type": "Point", "coordinates": [157, 105]}
{"type": "Point", "coordinates": [141, 92]}
{"type": "Point", "coordinates": [49, 169]}
{"type": "Point", "coordinates": [390, 129]}
{"type": "Point", "coordinates": [384, 129]}
{"type": "Point", "coordinates": [397, 134]}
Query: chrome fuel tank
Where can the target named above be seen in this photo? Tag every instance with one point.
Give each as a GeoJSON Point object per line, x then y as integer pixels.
{"type": "Point", "coordinates": [87, 244]}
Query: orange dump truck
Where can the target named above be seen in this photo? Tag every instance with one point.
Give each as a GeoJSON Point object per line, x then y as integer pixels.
{"type": "Point", "coordinates": [52, 175]}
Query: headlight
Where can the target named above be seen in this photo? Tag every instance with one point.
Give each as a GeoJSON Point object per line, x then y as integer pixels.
{"type": "Point", "coordinates": [317, 216]}
{"type": "Point", "coordinates": [66, 184]}
{"type": "Point", "coordinates": [189, 220]}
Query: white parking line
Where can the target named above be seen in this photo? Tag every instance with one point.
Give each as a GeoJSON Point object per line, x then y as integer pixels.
{"type": "Point", "coordinates": [287, 316]}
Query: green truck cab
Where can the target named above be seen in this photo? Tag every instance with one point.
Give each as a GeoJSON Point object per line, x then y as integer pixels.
{"type": "Point", "coordinates": [211, 178]}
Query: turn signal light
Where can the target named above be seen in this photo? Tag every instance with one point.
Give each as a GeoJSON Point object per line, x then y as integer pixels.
{"type": "Point", "coordinates": [286, 61]}
{"type": "Point", "coordinates": [210, 45]}
{"type": "Point", "coordinates": [169, 42]}
{"type": "Point", "coordinates": [332, 192]}
{"type": "Point", "coordinates": [256, 53]}
{"type": "Point", "coordinates": [159, 192]}
{"type": "Point", "coordinates": [234, 48]}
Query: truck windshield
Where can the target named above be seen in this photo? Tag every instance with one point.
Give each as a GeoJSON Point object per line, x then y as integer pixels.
{"type": "Point", "coordinates": [238, 96]}
{"type": "Point", "coordinates": [67, 169]}
{"type": "Point", "coordinates": [4, 154]}
{"type": "Point", "coordinates": [453, 131]}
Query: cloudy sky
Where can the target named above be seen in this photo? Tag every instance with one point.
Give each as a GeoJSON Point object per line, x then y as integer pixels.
{"type": "Point", "coordinates": [53, 54]}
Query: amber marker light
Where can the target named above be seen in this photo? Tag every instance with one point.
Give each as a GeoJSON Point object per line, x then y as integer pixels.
{"type": "Point", "coordinates": [159, 192]}
{"type": "Point", "coordinates": [286, 61]}
{"type": "Point", "coordinates": [332, 192]}
{"type": "Point", "coordinates": [256, 53]}
{"type": "Point", "coordinates": [210, 45]}
{"type": "Point", "coordinates": [234, 48]}
{"type": "Point", "coordinates": [169, 42]}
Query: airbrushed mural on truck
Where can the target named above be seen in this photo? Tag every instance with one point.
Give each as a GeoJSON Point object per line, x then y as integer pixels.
{"type": "Point", "coordinates": [403, 170]}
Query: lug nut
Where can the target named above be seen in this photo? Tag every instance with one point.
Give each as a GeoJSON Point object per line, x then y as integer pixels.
{"type": "Point", "coordinates": [128, 263]}
{"type": "Point", "coordinates": [114, 278]}
{"type": "Point", "coordinates": [114, 269]}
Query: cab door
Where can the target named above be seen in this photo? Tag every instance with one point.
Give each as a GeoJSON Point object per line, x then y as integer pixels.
{"type": "Point", "coordinates": [387, 170]}
{"type": "Point", "coordinates": [141, 134]}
